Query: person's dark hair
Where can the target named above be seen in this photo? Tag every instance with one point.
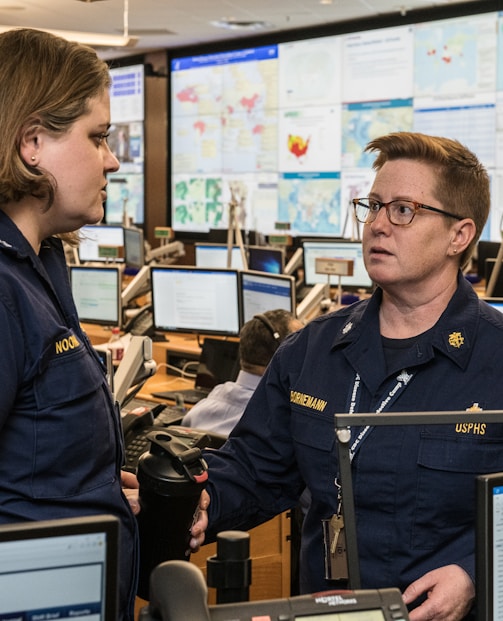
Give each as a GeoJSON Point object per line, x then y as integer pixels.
{"type": "Point", "coordinates": [257, 343]}
{"type": "Point", "coordinates": [463, 185]}
{"type": "Point", "coordinates": [46, 81]}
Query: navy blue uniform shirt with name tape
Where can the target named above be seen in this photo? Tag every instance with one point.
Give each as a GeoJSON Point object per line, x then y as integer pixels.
{"type": "Point", "coordinates": [60, 435]}
{"type": "Point", "coordinates": [414, 486]}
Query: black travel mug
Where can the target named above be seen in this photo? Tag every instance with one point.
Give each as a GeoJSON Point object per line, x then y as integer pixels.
{"type": "Point", "coordinates": [171, 475]}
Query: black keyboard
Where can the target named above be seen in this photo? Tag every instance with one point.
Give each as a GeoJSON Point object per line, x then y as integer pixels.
{"type": "Point", "coordinates": [189, 395]}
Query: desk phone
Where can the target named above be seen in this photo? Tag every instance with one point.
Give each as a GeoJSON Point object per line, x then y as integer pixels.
{"type": "Point", "coordinates": [178, 591]}
{"type": "Point", "coordinates": [138, 418]}
{"type": "Point", "coordinates": [141, 416]}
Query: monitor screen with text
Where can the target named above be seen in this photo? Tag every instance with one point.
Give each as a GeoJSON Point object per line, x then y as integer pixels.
{"type": "Point", "coordinates": [195, 299]}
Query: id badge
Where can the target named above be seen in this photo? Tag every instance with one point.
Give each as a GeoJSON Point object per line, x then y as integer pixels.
{"type": "Point", "coordinates": [334, 542]}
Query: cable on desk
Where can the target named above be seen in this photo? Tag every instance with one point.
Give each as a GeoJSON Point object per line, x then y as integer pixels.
{"type": "Point", "coordinates": [181, 372]}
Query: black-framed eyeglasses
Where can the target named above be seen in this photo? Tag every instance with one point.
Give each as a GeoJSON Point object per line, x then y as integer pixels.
{"type": "Point", "coordinates": [400, 212]}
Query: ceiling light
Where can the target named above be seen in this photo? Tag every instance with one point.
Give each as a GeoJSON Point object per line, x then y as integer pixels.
{"type": "Point", "coordinates": [94, 39]}
{"type": "Point", "coordinates": [235, 24]}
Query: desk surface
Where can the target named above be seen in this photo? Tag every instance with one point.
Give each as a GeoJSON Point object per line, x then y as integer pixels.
{"type": "Point", "coordinates": [162, 381]}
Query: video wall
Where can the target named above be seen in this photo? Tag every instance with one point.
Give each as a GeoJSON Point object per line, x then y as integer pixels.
{"type": "Point", "coordinates": [125, 192]}
{"type": "Point", "coordinates": [285, 125]}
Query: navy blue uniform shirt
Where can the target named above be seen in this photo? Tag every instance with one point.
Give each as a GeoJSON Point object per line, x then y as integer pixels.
{"type": "Point", "coordinates": [60, 434]}
{"type": "Point", "coordinates": [414, 486]}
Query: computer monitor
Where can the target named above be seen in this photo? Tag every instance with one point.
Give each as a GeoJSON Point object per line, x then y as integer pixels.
{"type": "Point", "coordinates": [261, 292]}
{"type": "Point", "coordinates": [489, 547]}
{"type": "Point", "coordinates": [195, 299]}
{"type": "Point", "coordinates": [219, 236]}
{"type": "Point", "coordinates": [215, 255]}
{"type": "Point", "coordinates": [101, 242]}
{"type": "Point", "coordinates": [97, 293]}
{"type": "Point", "coordinates": [125, 196]}
{"type": "Point", "coordinates": [496, 303]}
{"type": "Point", "coordinates": [134, 247]}
{"type": "Point", "coordinates": [335, 249]}
{"type": "Point", "coordinates": [485, 250]}
{"type": "Point", "coordinates": [266, 259]}
{"type": "Point", "coordinates": [59, 569]}
{"type": "Point", "coordinates": [497, 285]}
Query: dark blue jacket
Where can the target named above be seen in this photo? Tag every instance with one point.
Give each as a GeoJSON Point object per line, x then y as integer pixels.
{"type": "Point", "coordinates": [60, 436]}
{"type": "Point", "coordinates": [414, 486]}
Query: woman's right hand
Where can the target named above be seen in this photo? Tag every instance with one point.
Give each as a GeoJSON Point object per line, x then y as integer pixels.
{"type": "Point", "coordinates": [200, 523]}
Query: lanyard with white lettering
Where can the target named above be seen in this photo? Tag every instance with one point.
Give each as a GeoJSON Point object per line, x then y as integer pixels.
{"type": "Point", "coordinates": [402, 381]}
{"type": "Point", "coordinates": [336, 566]}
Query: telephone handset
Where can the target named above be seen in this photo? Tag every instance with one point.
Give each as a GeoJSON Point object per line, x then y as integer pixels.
{"type": "Point", "coordinates": [133, 423]}
{"type": "Point", "coordinates": [140, 421]}
{"type": "Point", "coordinates": [141, 324]}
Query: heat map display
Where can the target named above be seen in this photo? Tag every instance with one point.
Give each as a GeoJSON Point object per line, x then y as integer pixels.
{"type": "Point", "coordinates": [291, 120]}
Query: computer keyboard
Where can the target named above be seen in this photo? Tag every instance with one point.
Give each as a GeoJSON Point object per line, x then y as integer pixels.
{"type": "Point", "coordinates": [189, 395]}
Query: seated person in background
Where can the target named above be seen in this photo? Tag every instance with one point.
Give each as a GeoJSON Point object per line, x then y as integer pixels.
{"type": "Point", "coordinates": [258, 340]}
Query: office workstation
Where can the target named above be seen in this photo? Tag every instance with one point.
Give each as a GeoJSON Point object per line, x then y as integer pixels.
{"type": "Point", "coordinates": [185, 315]}
{"type": "Point", "coordinates": [177, 352]}
{"type": "Point", "coordinates": [240, 162]}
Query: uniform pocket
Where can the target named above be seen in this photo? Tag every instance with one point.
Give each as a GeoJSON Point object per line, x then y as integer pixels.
{"type": "Point", "coordinates": [74, 437]}
{"type": "Point", "coordinates": [446, 499]}
{"type": "Point", "coordinates": [315, 432]}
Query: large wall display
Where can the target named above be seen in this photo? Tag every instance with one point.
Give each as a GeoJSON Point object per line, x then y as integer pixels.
{"type": "Point", "coordinates": [289, 121]}
{"type": "Point", "coordinates": [125, 193]}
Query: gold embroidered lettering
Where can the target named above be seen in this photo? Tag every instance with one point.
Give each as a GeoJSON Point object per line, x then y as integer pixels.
{"type": "Point", "coordinates": [66, 344]}
{"type": "Point", "coordinates": [476, 429]}
{"type": "Point", "coordinates": [307, 401]}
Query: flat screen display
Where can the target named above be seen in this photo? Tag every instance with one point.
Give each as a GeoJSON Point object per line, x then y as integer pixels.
{"type": "Point", "coordinates": [125, 197]}
{"type": "Point", "coordinates": [126, 187]}
{"type": "Point", "coordinates": [127, 95]}
{"type": "Point", "coordinates": [134, 247]}
{"type": "Point", "coordinates": [496, 303]}
{"type": "Point", "coordinates": [485, 250]}
{"type": "Point", "coordinates": [489, 550]}
{"type": "Point", "coordinates": [266, 259]}
{"type": "Point", "coordinates": [215, 255]}
{"type": "Point", "coordinates": [97, 293]}
{"type": "Point", "coordinates": [195, 299]}
{"type": "Point", "coordinates": [60, 569]}
{"type": "Point", "coordinates": [261, 292]}
{"type": "Point", "coordinates": [101, 242]}
{"type": "Point", "coordinates": [335, 249]}
{"type": "Point", "coordinates": [290, 119]}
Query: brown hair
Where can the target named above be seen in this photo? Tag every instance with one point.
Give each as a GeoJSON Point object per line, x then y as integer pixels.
{"type": "Point", "coordinates": [45, 80]}
{"type": "Point", "coordinates": [257, 342]}
{"type": "Point", "coordinates": [463, 185]}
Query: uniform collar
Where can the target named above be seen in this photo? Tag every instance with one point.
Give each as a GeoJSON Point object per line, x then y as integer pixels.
{"type": "Point", "coordinates": [15, 243]}
{"type": "Point", "coordinates": [47, 264]}
{"type": "Point", "coordinates": [11, 238]}
{"type": "Point", "coordinates": [453, 335]}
